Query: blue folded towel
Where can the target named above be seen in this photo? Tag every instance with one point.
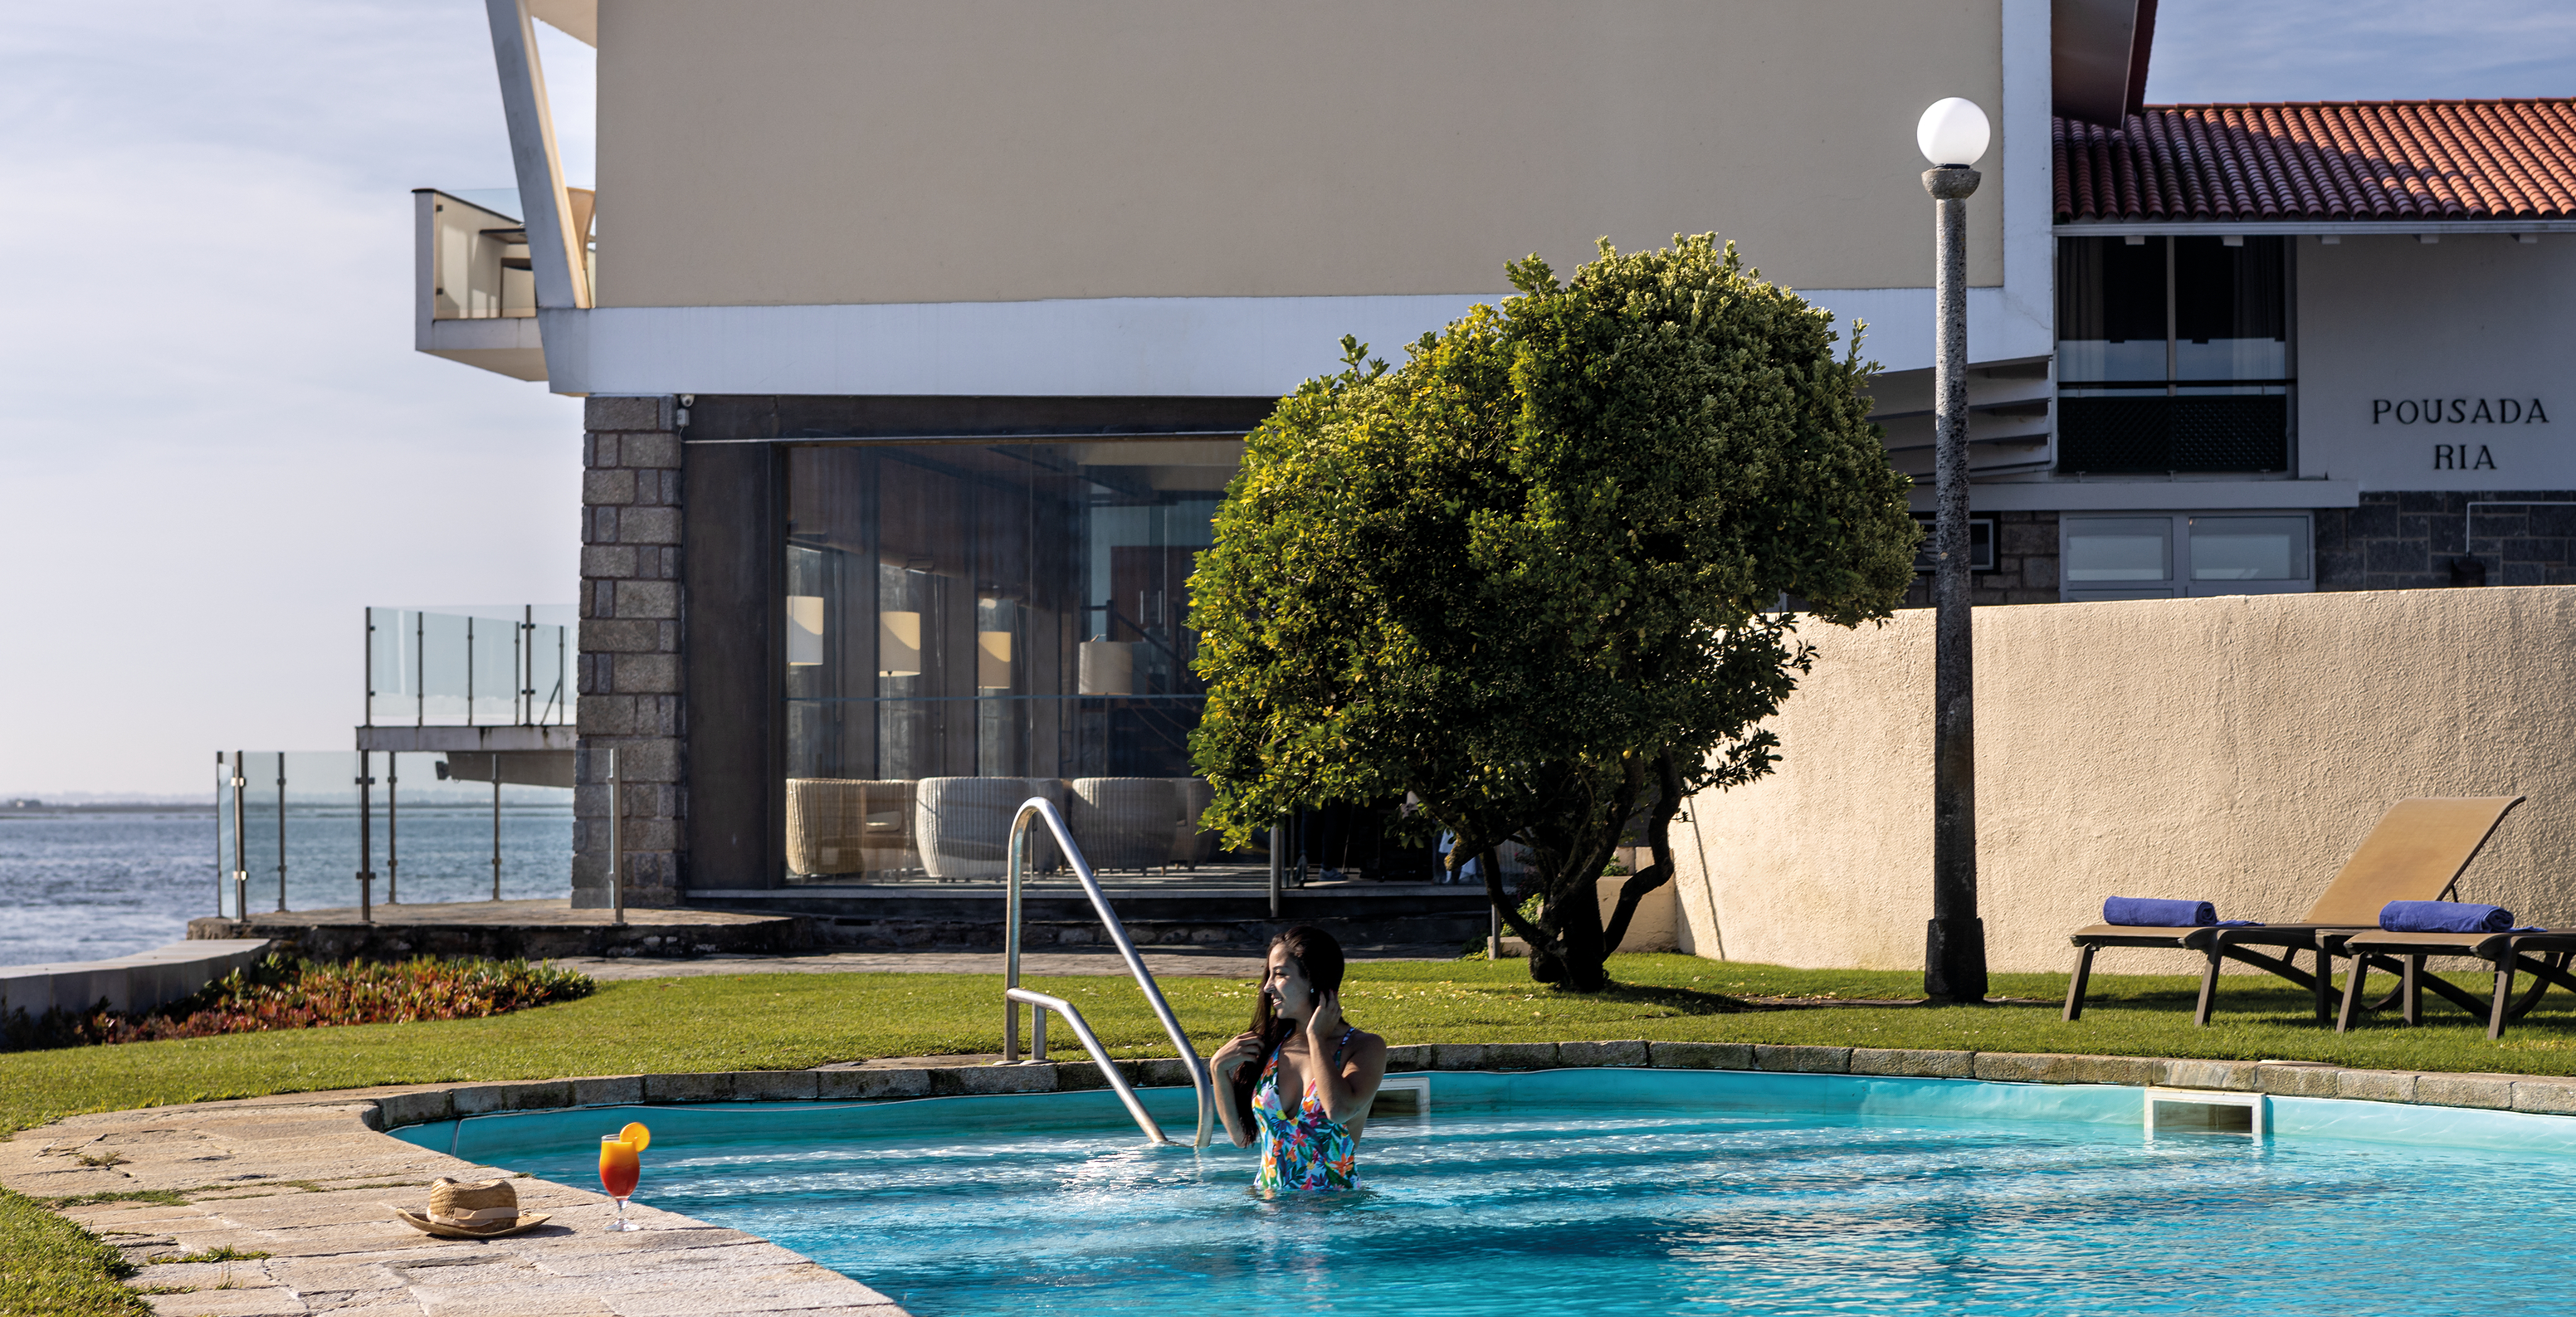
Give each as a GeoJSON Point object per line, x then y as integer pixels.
{"type": "Point", "coordinates": [2444, 917]}
{"type": "Point", "coordinates": [2150, 912]}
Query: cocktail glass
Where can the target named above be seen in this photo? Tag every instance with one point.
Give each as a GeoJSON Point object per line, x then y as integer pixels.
{"type": "Point", "coordinates": [620, 1164]}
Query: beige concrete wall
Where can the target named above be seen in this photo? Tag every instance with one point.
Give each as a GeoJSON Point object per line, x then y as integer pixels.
{"type": "Point", "coordinates": [830, 151]}
{"type": "Point", "coordinates": [1655, 926]}
{"type": "Point", "coordinates": [2233, 750]}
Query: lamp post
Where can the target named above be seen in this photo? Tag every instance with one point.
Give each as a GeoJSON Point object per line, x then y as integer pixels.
{"type": "Point", "coordinates": [1953, 135]}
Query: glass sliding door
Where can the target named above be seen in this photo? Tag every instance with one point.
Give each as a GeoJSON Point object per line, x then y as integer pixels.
{"type": "Point", "coordinates": [972, 624]}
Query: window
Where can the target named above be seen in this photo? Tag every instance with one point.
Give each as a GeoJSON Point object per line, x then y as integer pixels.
{"type": "Point", "coordinates": [967, 625]}
{"type": "Point", "coordinates": [2183, 555]}
{"type": "Point", "coordinates": [2118, 553]}
{"type": "Point", "coordinates": [2173, 354]}
{"type": "Point", "coordinates": [1981, 544]}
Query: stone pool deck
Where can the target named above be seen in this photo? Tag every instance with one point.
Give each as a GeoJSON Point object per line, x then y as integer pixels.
{"type": "Point", "coordinates": [309, 1180]}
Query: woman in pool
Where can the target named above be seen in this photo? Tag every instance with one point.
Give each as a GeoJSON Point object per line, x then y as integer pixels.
{"type": "Point", "coordinates": [1299, 1043]}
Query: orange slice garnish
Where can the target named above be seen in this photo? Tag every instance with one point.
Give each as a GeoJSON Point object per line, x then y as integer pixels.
{"type": "Point", "coordinates": [636, 1134]}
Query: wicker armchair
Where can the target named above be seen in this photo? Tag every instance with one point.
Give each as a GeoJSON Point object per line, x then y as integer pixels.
{"type": "Point", "coordinates": [841, 825]}
{"type": "Point", "coordinates": [963, 824]}
{"type": "Point", "coordinates": [1124, 822]}
{"type": "Point", "coordinates": [1191, 847]}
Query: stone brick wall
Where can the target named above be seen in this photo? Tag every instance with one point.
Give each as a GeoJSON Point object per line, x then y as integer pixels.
{"type": "Point", "coordinates": [629, 668]}
{"type": "Point", "coordinates": [2403, 541]}
{"type": "Point", "coordinates": [2025, 564]}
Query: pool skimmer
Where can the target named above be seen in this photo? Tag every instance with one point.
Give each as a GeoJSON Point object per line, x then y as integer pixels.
{"type": "Point", "coordinates": [1402, 1095]}
{"type": "Point", "coordinates": [2201, 1111]}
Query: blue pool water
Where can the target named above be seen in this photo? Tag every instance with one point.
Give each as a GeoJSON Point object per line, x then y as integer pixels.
{"type": "Point", "coordinates": [1599, 1192]}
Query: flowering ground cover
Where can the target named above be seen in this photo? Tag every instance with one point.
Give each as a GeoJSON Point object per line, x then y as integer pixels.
{"type": "Point", "coordinates": [284, 993]}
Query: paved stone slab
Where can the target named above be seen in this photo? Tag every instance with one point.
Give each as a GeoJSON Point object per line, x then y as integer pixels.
{"type": "Point", "coordinates": [337, 1248]}
{"type": "Point", "coordinates": [1912, 1063]}
{"type": "Point", "coordinates": [1803, 1060]}
{"type": "Point", "coordinates": [1601, 1054]}
{"type": "Point", "coordinates": [1700, 1056]}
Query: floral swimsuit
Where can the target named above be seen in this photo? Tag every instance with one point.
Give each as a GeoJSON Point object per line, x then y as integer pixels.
{"type": "Point", "coordinates": [1309, 1150]}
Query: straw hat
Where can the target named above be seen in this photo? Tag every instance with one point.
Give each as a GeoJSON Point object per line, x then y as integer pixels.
{"type": "Point", "coordinates": [471, 1211]}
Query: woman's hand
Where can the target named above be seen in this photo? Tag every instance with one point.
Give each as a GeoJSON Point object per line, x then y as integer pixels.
{"type": "Point", "coordinates": [1231, 1058]}
{"type": "Point", "coordinates": [1324, 1027]}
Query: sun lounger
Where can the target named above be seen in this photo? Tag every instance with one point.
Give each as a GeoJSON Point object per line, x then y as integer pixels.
{"type": "Point", "coordinates": [2416, 852]}
{"type": "Point", "coordinates": [2542, 954]}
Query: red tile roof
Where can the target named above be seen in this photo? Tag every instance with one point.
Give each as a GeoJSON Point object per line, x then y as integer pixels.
{"type": "Point", "coordinates": [2323, 160]}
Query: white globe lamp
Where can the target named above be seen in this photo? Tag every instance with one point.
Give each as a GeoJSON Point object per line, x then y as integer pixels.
{"type": "Point", "coordinates": [1953, 133]}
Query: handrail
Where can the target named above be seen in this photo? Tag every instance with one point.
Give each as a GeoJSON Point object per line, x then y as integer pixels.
{"type": "Point", "coordinates": [1082, 1030]}
{"type": "Point", "coordinates": [1013, 995]}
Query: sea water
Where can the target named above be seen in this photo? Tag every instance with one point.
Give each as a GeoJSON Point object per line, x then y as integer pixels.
{"type": "Point", "coordinates": [1615, 1192]}
{"type": "Point", "coordinates": [90, 885]}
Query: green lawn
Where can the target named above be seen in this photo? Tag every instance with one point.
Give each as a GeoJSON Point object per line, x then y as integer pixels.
{"type": "Point", "coordinates": [780, 1021]}
{"type": "Point", "coordinates": [783, 1021]}
{"type": "Point", "coordinates": [48, 1265]}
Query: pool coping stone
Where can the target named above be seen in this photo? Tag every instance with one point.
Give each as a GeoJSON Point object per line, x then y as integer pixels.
{"type": "Point", "coordinates": [424, 1103]}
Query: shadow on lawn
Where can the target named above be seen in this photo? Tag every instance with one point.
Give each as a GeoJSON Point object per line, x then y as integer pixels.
{"type": "Point", "coordinates": [1680, 1001]}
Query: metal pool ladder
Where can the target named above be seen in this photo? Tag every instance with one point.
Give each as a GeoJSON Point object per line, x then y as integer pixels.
{"type": "Point", "coordinates": [1038, 807]}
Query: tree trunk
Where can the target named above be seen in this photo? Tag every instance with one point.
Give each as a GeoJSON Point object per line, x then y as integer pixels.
{"type": "Point", "coordinates": [1659, 839]}
{"type": "Point", "coordinates": [1578, 925]}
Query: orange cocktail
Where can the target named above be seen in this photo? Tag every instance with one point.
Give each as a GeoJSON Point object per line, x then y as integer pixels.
{"type": "Point", "coordinates": [620, 1165]}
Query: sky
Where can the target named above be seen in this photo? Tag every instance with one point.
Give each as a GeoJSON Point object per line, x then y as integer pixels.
{"type": "Point", "coordinates": [217, 445]}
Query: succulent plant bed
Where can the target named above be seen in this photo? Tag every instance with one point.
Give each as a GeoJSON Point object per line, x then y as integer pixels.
{"type": "Point", "coordinates": [286, 993]}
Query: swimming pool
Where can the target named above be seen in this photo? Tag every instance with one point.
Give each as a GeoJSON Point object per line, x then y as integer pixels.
{"type": "Point", "coordinates": [1624, 1191]}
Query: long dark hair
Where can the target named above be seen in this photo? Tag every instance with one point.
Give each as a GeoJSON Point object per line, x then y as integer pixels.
{"type": "Point", "coordinates": [1319, 955]}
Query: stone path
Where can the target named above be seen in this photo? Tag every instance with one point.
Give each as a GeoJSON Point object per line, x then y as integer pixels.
{"type": "Point", "coordinates": [1161, 962]}
{"type": "Point", "coordinates": [308, 1187]}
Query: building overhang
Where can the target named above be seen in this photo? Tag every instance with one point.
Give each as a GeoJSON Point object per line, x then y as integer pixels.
{"type": "Point", "coordinates": [476, 740]}
{"type": "Point", "coordinates": [2098, 57]}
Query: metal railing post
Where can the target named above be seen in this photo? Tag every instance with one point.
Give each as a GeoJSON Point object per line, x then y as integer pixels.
{"type": "Point", "coordinates": [523, 661]}
{"type": "Point", "coordinates": [1019, 859]}
{"type": "Point", "coordinates": [616, 842]}
{"type": "Point", "coordinates": [241, 845]}
{"type": "Point", "coordinates": [366, 846]}
{"type": "Point", "coordinates": [393, 821]}
{"type": "Point", "coordinates": [496, 827]}
{"type": "Point", "coordinates": [420, 669]}
{"type": "Point", "coordinates": [281, 832]}
{"type": "Point", "coordinates": [219, 834]}
{"type": "Point", "coordinates": [469, 670]}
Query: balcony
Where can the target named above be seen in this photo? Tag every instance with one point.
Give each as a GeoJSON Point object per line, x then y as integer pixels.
{"type": "Point", "coordinates": [488, 688]}
{"type": "Point", "coordinates": [2148, 433]}
{"type": "Point", "coordinates": [475, 296]}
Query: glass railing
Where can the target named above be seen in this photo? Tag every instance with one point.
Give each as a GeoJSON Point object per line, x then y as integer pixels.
{"type": "Point", "coordinates": [478, 254]}
{"type": "Point", "coordinates": [479, 666]}
{"type": "Point", "coordinates": [293, 830]}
